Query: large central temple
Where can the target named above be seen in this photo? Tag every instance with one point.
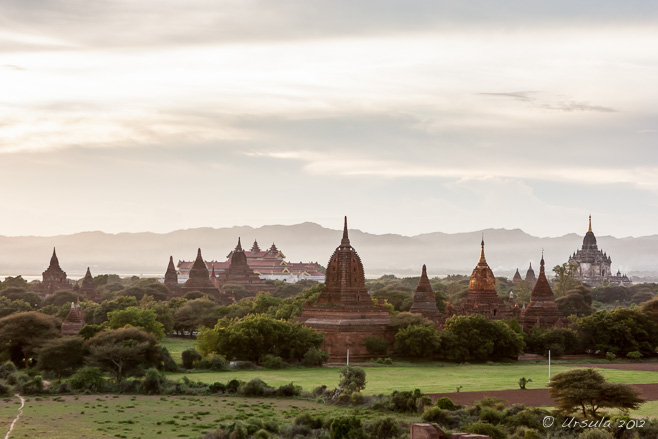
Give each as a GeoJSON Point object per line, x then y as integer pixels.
{"type": "Point", "coordinates": [345, 312]}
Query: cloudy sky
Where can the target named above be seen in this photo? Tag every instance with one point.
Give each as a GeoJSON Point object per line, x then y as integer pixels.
{"type": "Point", "coordinates": [408, 116]}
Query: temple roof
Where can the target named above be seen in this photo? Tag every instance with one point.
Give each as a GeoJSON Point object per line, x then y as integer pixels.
{"type": "Point", "coordinates": [482, 277]}
{"type": "Point", "coordinates": [589, 242]}
{"type": "Point", "coordinates": [542, 289]}
{"type": "Point", "coordinates": [517, 275]}
{"type": "Point", "coordinates": [171, 266]}
{"type": "Point", "coordinates": [530, 274]}
{"type": "Point", "coordinates": [424, 282]}
{"type": "Point", "coordinates": [255, 248]}
{"type": "Point", "coordinates": [54, 262]}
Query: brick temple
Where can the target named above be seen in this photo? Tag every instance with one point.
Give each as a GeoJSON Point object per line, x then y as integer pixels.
{"type": "Point", "coordinates": [171, 276]}
{"type": "Point", "coordinates": [54, 278]}
{"type": "Point", "coordinates": [482, 297]}
{"type": "Point", "coordinates": [542, 310]}
{"type": "Point", "coordinates": [199, 281]}
{"type": "Point", "coordinates": [88, 288]}
{"type": "Point", "coordinates": [240, 273]}
{"type": "Point", "coordinates": [345, 312]}
{"type": "Point", "coordinates": [425, 301]}
{"type": "Point", "coordinates": [74, 321]}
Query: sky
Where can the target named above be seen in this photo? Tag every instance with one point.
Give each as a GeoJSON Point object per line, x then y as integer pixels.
{"type": "Point", "coordinates": [407, 116]}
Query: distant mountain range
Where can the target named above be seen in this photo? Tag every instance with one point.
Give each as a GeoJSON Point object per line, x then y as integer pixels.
{"type": "Point", "coordinates": [148, 253]}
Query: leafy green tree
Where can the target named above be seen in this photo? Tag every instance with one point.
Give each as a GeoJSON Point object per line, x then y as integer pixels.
{"type": "Point", "coordinates": [352, 379]}
{"type": "Point", "coordinates": [620, 331]}
{"type": "Point", "coordinates": [8, 307]}
{"type": "Point", "coordinates": [62, 297]}
{"type": "Point", "coordinates": [565, 278]}
{"type": "Point", "coordinates": [107, 306]}
{"type": "Point", "coordinates": [587, 390]}
{"type": "Point", "coordinates": [417, 342]}
{"type": "Point", "coordinates": [22, 334]}
{"type": "Point", "coordinates": [405, 319]}
{"type": "Point", "coordinates": [559, 341]}
{"type": "Point", "coordinates": [254, 336]}
{"type": "Point", "coordinates": [376, 345]}
{"type": "Point", "coordinates": [193, 314]}
{"type": "Point", "coordinates": [478, 338]}
{"type": "Point", "coordinates": [123, 351]}
{"type": "Point", "coordinates": [144, 319]}
{"type": "Point", "coordinates": [577, 301]}
{"type": "Point", "coordinates": [62, 356]}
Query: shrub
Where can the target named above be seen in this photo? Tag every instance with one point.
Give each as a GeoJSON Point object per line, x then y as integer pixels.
{"type": "Point", "coordinates": [6, 369]}
{"type": "Point", "coordinates": [345, 427]}
{"type": "Point", "coordinates": [166, 362]}
{"type": "Point", "coordinates": [190, 358]}
{"type": "Point", "coordinates": [153, 382]}
{"type": "Point", "coordinates": [213, 362]}
{"type": "Point", "coordinates": [32, 387]}
{"type": "Point", "coordinates": [376, 345]}
{"type": "Point", "coordinates": [4, 390]}
{"type": "Point", "coordinates": [217, 388]}
{"type": "Point", "coordinates": [436, 415]}
{"type": "Point", "coordinates": [446, 403]}
{"type": "Point", "coordinates": [634, 355]}
{"type": "Point", "coordinates": [523, 418]}
{"type": "Point", "coordinates": [233, 386]}
{"type": "Point", "coordinates": [353, 379]}
{"type": "Point", "coordinates": [408, 402]}
{"type": "Point", "coordinates": [357, 398]}
{"type": "Point", "coordinates": [383, 428]}
{"type": "Point", "coordinates": [610, 356]}
{"type": "Point", "coordinates": [315, 357]}
{"type": "Point", "coordinates": [493, 431]}
{"type": "Point", "coordinates": [255, 387]}
{"type": "Point", "coordinates": [288, 390]}
{"type": "Point", "coordinates": [490, 415]}
{"type": "Point", "coordinates": [523, 382]}
{"type": "Point", "coordinates": [88, 378]}
{"type": "Point", "coordinates": [272, 362]}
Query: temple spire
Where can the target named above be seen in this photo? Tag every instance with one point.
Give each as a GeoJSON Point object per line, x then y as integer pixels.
{"type": "Point", "coordinates": [589, 229]}
{"type": "Point", "coordinates": [482, 261]}
{"type": "Point", "coordinates": [238, 248]}
{"type": "Point", "coordinates": [424, 273]}
{"type": "Point", "coordinates": [346, 239]}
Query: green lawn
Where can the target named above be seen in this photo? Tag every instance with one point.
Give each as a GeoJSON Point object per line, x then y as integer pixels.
{"type": "Point", "coordinates": [150, 417]}
{"type": "Point", "coordinates": [430, 378]}
{"type": "Point", "coordinates": [176, 345]}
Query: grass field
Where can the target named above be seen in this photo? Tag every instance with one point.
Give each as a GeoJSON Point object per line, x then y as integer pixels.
{"type": "Point", "coordinates": [176, 346]}
{"type": "Point", "coordinates": [146, 417]}
{"type": "Point", "coordinates": [430, 378]}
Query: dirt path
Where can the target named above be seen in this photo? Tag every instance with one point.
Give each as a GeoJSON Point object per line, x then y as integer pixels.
{"type": "Point", "coordinates": [20, 412]}
{"type": "Point", "coordinates": [530, 397]}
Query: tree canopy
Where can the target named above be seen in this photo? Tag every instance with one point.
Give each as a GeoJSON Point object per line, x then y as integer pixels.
{"type": "Point", "coordinates": [22, 334]}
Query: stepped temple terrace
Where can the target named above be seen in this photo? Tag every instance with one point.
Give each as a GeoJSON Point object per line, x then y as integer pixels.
{"type": "Point", "coordinates": [345, 312]}
{"type": "Point", "coordinates": [593, 265]}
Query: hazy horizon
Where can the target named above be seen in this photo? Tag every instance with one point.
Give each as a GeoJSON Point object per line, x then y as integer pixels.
{"type": "Point", "coordinates": [409, 118]}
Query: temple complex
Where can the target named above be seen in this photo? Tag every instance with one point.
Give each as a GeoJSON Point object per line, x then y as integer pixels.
{"type": "Point", "coordinates": [199, 280]}
{"type": "Point", "coordinates": [171, 276]}
{"type": "Point", "coordinates": [239, 273]}
{"type": "Point", "coordinates": [345, 312]}
{"type": "Point", "coordinates": [593, 265]}
{"type": "Point", "coordinates": [482, 297]}
{"type": "Point", "coordinates": [74, 321]}
{"type": "Point", "coordinates": [54, 278]}
{"type": "Point", "coordinates": [542, 310]}
{"type": "Point", "coordinates": [267, 264]}
{"type": "Point", "coordinates": [88, 288]}
{"type": "Point", "coordinates": [425, 301]}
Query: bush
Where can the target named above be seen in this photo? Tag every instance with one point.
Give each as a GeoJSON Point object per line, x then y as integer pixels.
{"type": "Point", "coordinates": [353, 379]}
{"type": "Point", "coordinates": [610, 356]}
{"type": "Point", "coordinates": [32, 387]}
{"type": "Point", "coordinates": [88, 378]}
{"type": "Point", "coordinates": [288, 390]}
{"type": "Point", "coordinates": [272, 362]}
{"type": "Point", "coordinates": [357, 398]}
{"type": "Point", "coordinates": [166, 362]}
{"type": "Point", "coordinates": [6, 369]}
{"type": "Point", "coordinates": [214, 362]}
{"type": "Point", "coordinates": [315, 357]}
{"type": "Point", "coordinates": [190, 358]}
{"type": "Point", "coordinates": [217, 388]}
{"type": "Point", "coordinates": [634, 355]}
{"type": "Point", "coordinates": [4, 390]}
{"type": "Point", "coordinates": [493, 431]}
{"type": "Point", "coordinates": [490, 415]}
{"type": "Point", "coordinates": [437, 415]}
{"type": "Point", "coordinates": [233, 386]}
{"type": "Point", "coordinates": [345, 427]}
{"type": "Point", "coordinates": [408, 402]}
{"type": "Point", "coordinates": [153, 382]}
{"type": "Point", "coordinates": [446, 403]}
{"type": "Point", "coordinates": [383, 428]}
{"type": "Point", "coordinates": [376, 345]}
{"type": "Point", "coordinates": [255, 387]}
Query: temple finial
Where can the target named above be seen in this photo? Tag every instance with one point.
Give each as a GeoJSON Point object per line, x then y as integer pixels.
{"type": "Point", "coordinates": [198, 254]}
{"type": "Point", "coordinates": [346, 239]}
{"type": "Point", "coordinates": [483, 260]}
{"type": "Point", "coordinates": [238, 248]}
{"type": "Point", "coordinates": [589, 229]}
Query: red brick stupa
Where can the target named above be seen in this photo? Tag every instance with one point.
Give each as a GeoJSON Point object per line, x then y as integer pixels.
{"type": "Point", "coordinates": [239, 273]}
{"type": "Point", "coordinates": [199, 280]}
{"type": "Point", "coordinates": [171, 276]}
{"type": "Point", "coordinates": [74, 321]}
{"type": "Point", "coordinates": [345, 312]}
{"type": "Point", "coordinates": [54, 278]}
{"type": "Point", "coordinates": [425, 301]}
{"type": "Point", "coordinates": [482, 297]}
{"type": "Point", "coordinates": [542, 310]}
{"type": "Point", "coordinates": [88, 287]}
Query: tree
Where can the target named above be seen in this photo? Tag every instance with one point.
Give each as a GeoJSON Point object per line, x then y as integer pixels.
{"type": "Point", "coordinates": [144, 319]}
{"type": "Point", "coordinates": [565, 278]}
{"type": "Point", "coordinates": [417, 342]}
{"type": "Point", "coordinates": [62, 297]}
{"type": "Point", "coordinates": [577, 301]}
{"type": "Point", "coordinates": [62, 355]}
{"type": "Point", "coordinates": [587, 390]}
{"type": "Point", "coordinates": [352, 379]}
{"type": "Point", "coordinates": [620, 331]}
{"type": "Point", "coordinates": [122, 351]}
{"type": "Point", "coordinates": [8, 307]}
{"type": "Point", "coordinates": [194, 314]}
{"type": "Point", "coordinates": [22, 334]}
{"type": "Point", "coordinates": [478, 338]}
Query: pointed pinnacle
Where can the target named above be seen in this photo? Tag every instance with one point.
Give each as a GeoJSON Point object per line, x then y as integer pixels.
{"type": "Point", "coordinates": [346, 239]}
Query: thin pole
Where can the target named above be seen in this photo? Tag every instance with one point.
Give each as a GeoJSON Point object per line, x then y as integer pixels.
{"type": "Point", "coordinates": [348, 356]}
{"type": "Point", "coordinates": [549, 366]}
